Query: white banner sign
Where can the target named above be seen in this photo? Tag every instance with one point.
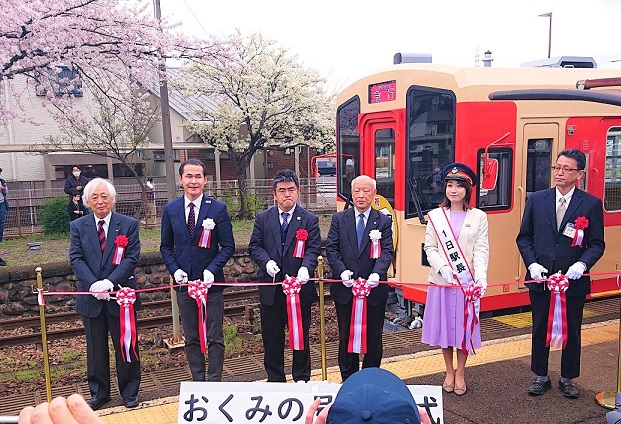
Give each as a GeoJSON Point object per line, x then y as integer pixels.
{"type": "Point", "coordinates": [270, 403]}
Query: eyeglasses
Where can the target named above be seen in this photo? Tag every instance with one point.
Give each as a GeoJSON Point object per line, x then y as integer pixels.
{"type": "Point", "coordinates": [564, 169]}
{"type": "Point", "coordinates": [289, 190]}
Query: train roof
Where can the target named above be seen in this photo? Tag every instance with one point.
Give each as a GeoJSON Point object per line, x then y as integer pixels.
{"type": "Point", "coordinates": [476, 83]}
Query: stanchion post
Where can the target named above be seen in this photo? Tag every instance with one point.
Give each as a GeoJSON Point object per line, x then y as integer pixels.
{"type": "Point", "coordinates": [322, 320]}
{"type": "Point", "coordinates": [46, 358]}
{"type": "Point", "coordinates": [607, 399]}
{"type": "Point", "coordinates": [176, 341]}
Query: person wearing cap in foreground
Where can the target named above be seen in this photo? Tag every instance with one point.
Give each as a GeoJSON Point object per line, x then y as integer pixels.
{"type": "Point", "coordinates": [454, 229]}
{"type": "Point", "coordinates": [370, 396]}
{"type": "Point", "coordinates": [548, 242]}
{"type": "Point", "coordinates": [348, 248]}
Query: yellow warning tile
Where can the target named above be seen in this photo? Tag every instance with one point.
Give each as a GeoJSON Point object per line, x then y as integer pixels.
{"type": "Point", "coordinates": [521, 320]}
{"type": "Point", "coordinates": [160, 414]}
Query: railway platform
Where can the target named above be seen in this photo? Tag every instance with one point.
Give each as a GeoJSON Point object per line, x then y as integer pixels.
{"type": "Point", "coordinates": [497, 376]}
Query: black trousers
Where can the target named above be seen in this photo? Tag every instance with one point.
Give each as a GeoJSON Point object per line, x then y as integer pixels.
{"type": "Point", "coordinates": [349, 363]}
{"type": "Point", "coordinates": [570, 357]}
{"type": "Point", "coordinates": [98, 358]}
{"type": "Point", "coordinates": [273, 324]}
{"type": "Point", "coordinates": [215, 336]}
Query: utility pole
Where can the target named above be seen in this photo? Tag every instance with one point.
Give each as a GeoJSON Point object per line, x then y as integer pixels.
{"type": "Point", "coordinates": [171, 183]}
{"type": "Point", "coordinates": [176, 341]}
{"type": "Point", "coordinates": [548, 15]}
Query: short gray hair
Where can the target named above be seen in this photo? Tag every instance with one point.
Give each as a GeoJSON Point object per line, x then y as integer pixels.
{"type": "Point", "coordinates": [362, 178]}
{"type": "Point", "coordinates": [92, 186]}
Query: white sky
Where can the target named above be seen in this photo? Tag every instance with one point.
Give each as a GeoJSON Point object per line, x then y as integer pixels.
{"type": "Point", "coordinates": [346, 39]}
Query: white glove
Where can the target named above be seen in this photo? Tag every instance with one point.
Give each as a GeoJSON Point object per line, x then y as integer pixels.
{"type": "Point", "coordinates": [102, 286]}
{"type": "Point", "coordinates": [536, 271]}
{"type": "Point", "coordinates": [346, 277]}
{"type": "Point", "coordinates": [483, 284]}
{"type": "Point", "coordinates": [373, 280]}
{"type": "Point", "coordinates": [576, 270]}
{"type": "Point", "coordinates": [447, 275]}
{"type": "Point", "coordinates": [207, 278]}
{"type": "Point", "coordinates": [303, 276]}
{"type": "Point", "coordinates": [180, 276]}
{"type": "Point", "coordinates": [271, 268]}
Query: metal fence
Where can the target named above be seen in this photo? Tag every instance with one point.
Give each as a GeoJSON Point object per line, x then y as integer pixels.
{"type": "Point", "coordinates": [317, 195]}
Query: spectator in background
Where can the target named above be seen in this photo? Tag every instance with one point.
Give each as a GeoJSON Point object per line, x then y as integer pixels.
{"type": "Point", "coordinates": [150, 204]}
{"type": "Point", "coordinates": [75, 183]}
{"type": "Point", "coordinates": [75, 208]}
{"type": "Point", "coordinates": [4, 208]}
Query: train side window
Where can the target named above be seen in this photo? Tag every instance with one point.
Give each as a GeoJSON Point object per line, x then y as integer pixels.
{"type": "Point", "coordinates": [538, 165]}
{"type": "Point", "coordinates": [348, 145]}
{"type": "Point", "coordinates": [612, 182]}
{"type": "Point", "coordinates": [498, 197]}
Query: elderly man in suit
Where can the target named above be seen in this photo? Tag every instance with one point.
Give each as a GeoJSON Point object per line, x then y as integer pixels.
{"type": "Point", "coordinates": [545, 242]}
{"type": "Point", "coordinates": [348, 249]}
{"type": "Point", "coordinates": [273, 246]}
{"type": "Point", "coordinates": [188, 256]}
{"type": "Point", "coordinates": [95, 239]}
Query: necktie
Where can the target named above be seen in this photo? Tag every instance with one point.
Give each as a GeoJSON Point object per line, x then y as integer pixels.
{"type": "Point", "coordinates": [191, 220]}
{"type": "Point", "coordinates": [101, 234]}
{"type": "Point", "coordinates": [285, 219]}
{"type": "Point", "coordinates": [560, 212]}
{"type": "Point", "coordinates": [360, 229]}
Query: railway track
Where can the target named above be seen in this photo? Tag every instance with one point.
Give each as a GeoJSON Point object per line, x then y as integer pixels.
{"type": "Point", "coordinates": [230, 311]}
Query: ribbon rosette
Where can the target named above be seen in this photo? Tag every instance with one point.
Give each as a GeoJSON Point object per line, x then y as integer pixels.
{"type": "Point", "coordinates": [126, 297]}
{"type": "Point", "coordinates": [581, 223]}
{"type": "Point", "coordinates": [376, 248]}
{"type": "Point", "coordinates": [358, 327]}
{"type": "Point", "coordinates": [472, 293]}
{"type": "Point", "coordinates": [197, 290]}
{"type": "Point", "coordinates": [301, 235]}
{"type": "Point", "coordinates": [291, 287]}
{"type": "Point", "coordinates": [205, 240]}
{"type": "Point", "coordinates": [121, 243]}
{"type": "Point", "coordinates": [557, 315]}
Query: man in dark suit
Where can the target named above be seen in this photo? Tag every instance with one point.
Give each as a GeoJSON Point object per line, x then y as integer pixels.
{"type": "Point", "coordinates": [183, 223]}
{"type": "Point", "coordinates": [544, 241]}
{"type": "Point", "coordinates": [272, 247]}
{"type": "Point", "coordinates": [93, 243]}
{"type": "Point", "coordinates": [348, 250]}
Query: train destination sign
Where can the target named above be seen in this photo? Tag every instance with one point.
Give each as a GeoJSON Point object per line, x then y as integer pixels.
{"type": "Point", "coordinates": [383, 92]}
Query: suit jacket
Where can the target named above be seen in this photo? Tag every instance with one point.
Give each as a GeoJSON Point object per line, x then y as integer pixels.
{"type": "Point", "coordinates": [472, 240]}
{"type": "Point", "coordinates": [265, 245]}
{"type": "Point", "coordinates": [89, 265]}
{"type": "Point", "coordinates": [539, 240]}
{"type": "Point", "coordinates": [180, 252]}
{"type": "Point", "coordinates": [343, 253]}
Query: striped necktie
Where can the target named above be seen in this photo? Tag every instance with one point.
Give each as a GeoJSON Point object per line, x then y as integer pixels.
{"type": "Point", "coordinates": [191, 220]}
{"type": "Point", "coordinates": [101, 234]}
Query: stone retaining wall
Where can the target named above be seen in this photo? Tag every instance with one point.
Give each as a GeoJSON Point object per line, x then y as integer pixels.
{"type": "Point", "coordinates": [17, 283]}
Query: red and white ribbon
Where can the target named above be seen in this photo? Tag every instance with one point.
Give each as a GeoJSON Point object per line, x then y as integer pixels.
{"type": "Point", "coordinates": [376, 248]}
{"type": "Point", "coordinates": [198, 291]}
{"type": "Point", "coordinates": [557, 314]}
{"type": "Point", "coordinates": [40, 297]}
{"type": "Point", "coordinates": [301, 235]}
{"type": "Point", "coordinates": [120, 243]}
{"type": "Point", "coordinates": [291, 287]}
{"type": "Point", "coordinates": [358, 327]}
{"type": "Point", "coordinates": [580, 224]}
{"type": "Point", "coordinates": [205, 239]}
{"type": "Point", "coordinates": [126, 297]}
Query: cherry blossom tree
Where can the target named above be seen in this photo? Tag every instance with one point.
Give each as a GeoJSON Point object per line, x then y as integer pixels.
{"type": "Point", "coordinates": [92, 37]}
{"type": "Point", "coordinates": [264, 98]}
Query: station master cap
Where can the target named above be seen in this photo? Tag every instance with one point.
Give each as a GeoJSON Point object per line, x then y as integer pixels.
{"type": "Point", "coordinates": [460, 172]}
{"type": "Point", "coordinates": [373, 396]}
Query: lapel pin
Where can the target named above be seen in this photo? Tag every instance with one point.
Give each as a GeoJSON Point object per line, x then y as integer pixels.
{"type": "Point", "coordinates": [299, 218]}
{"type": "Point", "coordinates": [374, 223]}
{"type": "Point", "coordinates": [207, 201]}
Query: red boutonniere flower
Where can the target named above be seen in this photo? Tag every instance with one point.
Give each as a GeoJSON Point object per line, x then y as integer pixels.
{"type": "Point", "coordinates": [301, 234]}
{"type": "Point", "coordinates": [581, 223]}
{"type": "Point", "coordinates": [298, 249]}
{"type": "Point", "coordinates": [121, 240]}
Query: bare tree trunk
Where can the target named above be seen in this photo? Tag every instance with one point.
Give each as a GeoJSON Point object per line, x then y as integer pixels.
{"type": "Point", "coordinates": [240, 168]}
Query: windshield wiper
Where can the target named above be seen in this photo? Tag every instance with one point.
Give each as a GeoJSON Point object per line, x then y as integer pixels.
{"type": "Point", "coordinates": [412, 185]}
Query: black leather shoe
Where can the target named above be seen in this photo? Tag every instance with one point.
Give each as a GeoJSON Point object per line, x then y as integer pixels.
{"type": "Point", "coordinates": [539, 386]}
{"type": "Point", "coordinates": [131, 402]}
{"type": "Point", "coordinates": [2, 262]}
{"type": "Point", "coordinates": [96, 403]}
{"type": "Point", "coordinates": [566, 386]}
